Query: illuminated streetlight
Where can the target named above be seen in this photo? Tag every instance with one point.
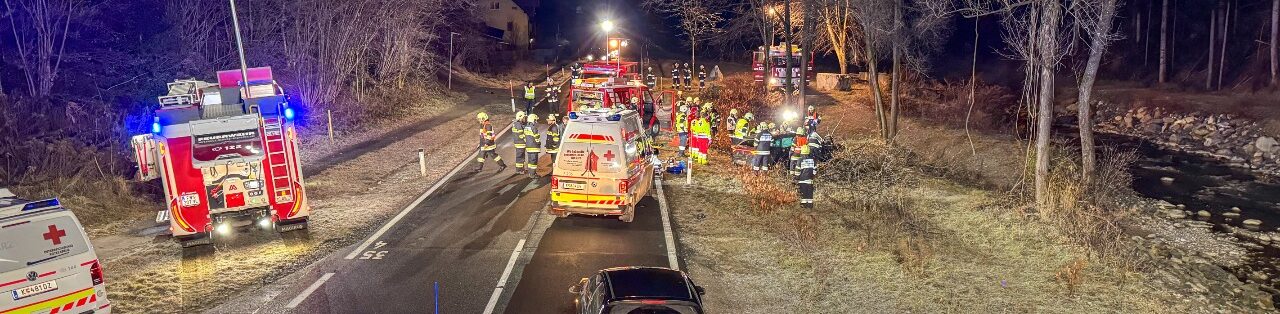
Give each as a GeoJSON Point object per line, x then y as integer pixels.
{"type": "Point", "coordinates": [607, 26]}
{"type": "Point", "coordinates": [773, 11]}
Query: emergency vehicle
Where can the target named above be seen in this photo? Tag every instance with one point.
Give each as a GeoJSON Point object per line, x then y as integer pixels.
{"type": "Point", "coordinates": [604, 165]}
{"type": "Point", "coordinates": [225, 155]}
{"type": "Point", "coordinates": [777, 67]}
{"type": "Point", "coordinates": [47, 265]}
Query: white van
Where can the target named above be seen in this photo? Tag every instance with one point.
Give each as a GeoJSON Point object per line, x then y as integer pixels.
{"type": "Point", "coordinates": [47, 265]}
{"type": "Point", "coordinates": [603, 167]}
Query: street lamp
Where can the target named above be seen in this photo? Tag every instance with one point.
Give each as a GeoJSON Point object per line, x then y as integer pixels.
{"type": "Point", "coordinates": [607, 26]}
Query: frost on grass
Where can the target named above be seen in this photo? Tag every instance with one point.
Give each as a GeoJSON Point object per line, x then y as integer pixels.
{"type": "Point", "coordinates": [892, 240]}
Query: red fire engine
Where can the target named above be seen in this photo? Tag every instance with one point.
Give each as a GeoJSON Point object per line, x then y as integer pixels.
{"type": "Point", "coordinates": [225, 155]}
{"type": "Point", "coordinates": [778, 66]}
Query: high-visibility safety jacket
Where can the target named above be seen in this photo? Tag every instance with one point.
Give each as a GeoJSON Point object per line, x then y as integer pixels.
{"type": "Point", "coordinates": [800, 146]}
{"type": "Point", "coordinates": [763, 140]}
{"type": "Point", "coordinates": [517, 130]}
{"type": "Point", "coordinates": [530, 92]}
{"type": "Point", "coordinates": [807, 170]}
{"type": "Point", "coordinates": [682, 122]}
{"type": "Point", "coordinates": [551, 139]}
{"type": "Point", "coordinates": [488, 141]}
{"type": "Point", "coordinates": [701, 128]}
{"type": "Point", "coordinates": [713, 118]}
{"type": "Point", "coordinates": [740, 131]}
{"type": "Point", "coordinates": [531, 138]}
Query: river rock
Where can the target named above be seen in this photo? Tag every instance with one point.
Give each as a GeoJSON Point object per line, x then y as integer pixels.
{"type": "Point", "coordinates": [1231, 214]}
{"type": "Point", "coordinates": [1259, 276]}
{"type": "Point", "coordinates": [1252, 222]}
{"type": "Point", "coordinates": [1162, 204]}
{"type": "Point", "coordinates": [1235, 209]}
{"type": "Point", "coordinates": [1267, 144]}
{"type": "Point", "coordinates": [1204, 214]}
{"type": "Point", "coordinates": [1176, 214]}
{"type": "Point", "coordinates": [1166, 180]}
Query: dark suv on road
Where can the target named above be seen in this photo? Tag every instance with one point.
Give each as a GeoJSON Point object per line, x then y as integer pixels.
{"type": "Point", "coordinates": [638, 290]}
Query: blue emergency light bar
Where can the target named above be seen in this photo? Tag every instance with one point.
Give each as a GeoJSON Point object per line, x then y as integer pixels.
{"type": "Point", "coordinates": [53, 202]}
{"type": "Point", "coordinates": [155, 125]}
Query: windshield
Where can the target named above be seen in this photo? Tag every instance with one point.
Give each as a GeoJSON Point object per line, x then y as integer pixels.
{"type": "Point", "coordinates": [39, 241]}
{"type": "Point", "coordinates": [782, 61]}
{"type": "Point", "coordinates": [640, 308]}
{"type": "Point", "coordinates": [214, 146]}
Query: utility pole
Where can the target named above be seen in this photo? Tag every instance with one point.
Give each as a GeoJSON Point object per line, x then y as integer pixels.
{"type": "Point", "coordinates": [244, 67]}
{"type": "Point", "coordinates": [451, 34]}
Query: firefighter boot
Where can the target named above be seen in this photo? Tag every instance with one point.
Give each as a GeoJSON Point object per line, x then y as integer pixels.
{"type": "Point", "coordinates": [501, 165]}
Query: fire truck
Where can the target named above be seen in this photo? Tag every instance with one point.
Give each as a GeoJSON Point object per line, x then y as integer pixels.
{"type": "Point", "coordinates": [226, 154]}
{"type": "Point", "coordinates": [777, 66]}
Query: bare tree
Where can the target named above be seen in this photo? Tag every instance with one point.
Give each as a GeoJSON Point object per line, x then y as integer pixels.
{"type": "Point", "coordinates": [1164, 42]}
{"type": "Point", "coordinates": [1213, 31]}
{"type": "Point", "coordinates": [1275, 35]}
{"type": "Point", "coordinates": [699, 19]}
{"type": "Point", "coordinates": [40, 29]}
{"type": "Point", "coordinates": [840, 31]}
{"type": "Point", "coordinates": [1095, 18]}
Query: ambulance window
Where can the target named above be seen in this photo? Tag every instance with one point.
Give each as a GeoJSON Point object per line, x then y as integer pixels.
{"type": "Point", "coordinates": [39, 241]}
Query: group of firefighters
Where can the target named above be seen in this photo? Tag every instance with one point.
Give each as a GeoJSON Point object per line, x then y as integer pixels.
{"type": "Point", "coordinates": [695, 127]}
{"type": "Point", "coordinates": [529, 139]}
{"type": "Point", "coordinates": [682, 76]}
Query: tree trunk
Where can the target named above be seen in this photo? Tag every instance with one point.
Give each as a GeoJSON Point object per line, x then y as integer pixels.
{"type": "Point", "coordinates": [789, 88]}
{"type": "Point", "coordinates": [873, 82]}
{"type": "Point", "coordinates": [973, 85]}
{"type": "Point", "coordinates": [1164, 42]}
{"type": "Point", "coordinates": [1275, 29]}
{"type": "Point", "coordinates": [1048, 42]}
{"type": "Point", "coordinates": [1213, 33]}
{"type": "Point", "coordinates": [1146, 44]}
{"type": "Point", "coordinates": [1226, 33]}
{"type": "Point", "coordinates": [897, 73]}
{"type": "Point", "coordinates": [1098, 45]}
{"type": "Point", "coordinates": [806, 52]}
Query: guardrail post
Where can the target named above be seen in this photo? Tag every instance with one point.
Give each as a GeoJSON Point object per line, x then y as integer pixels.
{"type": "Point", "coordinates": [329, 115]}
{"type": "Point", "coordinates": [422, 161]}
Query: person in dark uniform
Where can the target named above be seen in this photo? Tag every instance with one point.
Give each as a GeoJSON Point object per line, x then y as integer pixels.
{"type": "Point", "coordinates": [804, 182]}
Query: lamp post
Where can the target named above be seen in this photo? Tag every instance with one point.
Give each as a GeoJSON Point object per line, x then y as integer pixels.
{"type": "Point", "coordinates": [451, 34]}
{"type": "Point", "coordinates": [607, 27]}
{"type": "Point", "coordinates": [244, 67]}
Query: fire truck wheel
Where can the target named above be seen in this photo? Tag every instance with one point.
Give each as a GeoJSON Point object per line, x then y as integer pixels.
{"type": "Point", "coordinates": [628, 214]}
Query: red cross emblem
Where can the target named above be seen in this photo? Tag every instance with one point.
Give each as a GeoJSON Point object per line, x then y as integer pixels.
{"type": "Point", "coordinates": [608, 155]}
{"type": "Point", "coordinates": [55, 235]}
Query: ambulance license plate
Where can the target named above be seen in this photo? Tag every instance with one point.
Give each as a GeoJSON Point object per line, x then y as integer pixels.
{"type": "Point", "coordinates": [574, 185]}
{"type": "Point", "coordinates": [35, 289]}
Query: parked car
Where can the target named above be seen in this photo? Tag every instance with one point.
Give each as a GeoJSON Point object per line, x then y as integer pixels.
{"type": "Point", "coordinates": [47, 265]}
{"type": "Point", "coordinates": [638, 290]}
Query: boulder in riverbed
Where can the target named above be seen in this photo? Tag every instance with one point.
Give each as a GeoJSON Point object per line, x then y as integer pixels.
{"type": "Point", "coordinates": [1252, 222]}
{"type": "Point", "coordinates": [1267, 144]}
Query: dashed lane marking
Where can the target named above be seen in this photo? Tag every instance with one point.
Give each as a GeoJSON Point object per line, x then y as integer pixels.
{"type": "Point", "coordinates": [312, 289]}
{"type": "Point", "coordinates": [415, 203]}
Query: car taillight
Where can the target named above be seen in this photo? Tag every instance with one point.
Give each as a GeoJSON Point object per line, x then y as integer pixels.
{"type": "Point", "coordinates": [95, 273]}
{"type": "Point", "coordinates": [653, 302]}
{"type": "Point", "coordinates": [555, 183]}
{"type": "Point", "coordinates": [622, 186]}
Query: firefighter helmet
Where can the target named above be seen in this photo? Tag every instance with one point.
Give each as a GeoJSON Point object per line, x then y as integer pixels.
{"type": "Point", "coordinates": [533, 118]}
{"type": "Point", "coordinates": [519, 115]}
{"type": "Point", "coordinates": [635, 100]}
{"type": "Point", "coordinates": [749, 116]}
{"type": "Point", "coordinates": [688, 99]}
{"type": "Point", "coordinates": [551, 118]}
{"type": "Point", "coordinates": [810, 108]}
{"type": "Point", "coordinates": [482, 116]}
{"type": "Point", "coordinates": [684, 108]}
{"type": "Point", "coordinates": [686, 64]}
{"type": "Point", "coordinates": [800, 131]}
{"type": "Point", "coordinates": [733, 112]}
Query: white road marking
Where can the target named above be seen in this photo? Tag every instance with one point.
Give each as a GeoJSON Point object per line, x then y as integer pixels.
{"type": "Point", "coordinates": [666, 228]}
{"type": "Point", "coordinates": [312, 289]}
{"type": "Point", "coordinates": [415, 203]}
{"type": "Point", "coordinates": [502, 281]}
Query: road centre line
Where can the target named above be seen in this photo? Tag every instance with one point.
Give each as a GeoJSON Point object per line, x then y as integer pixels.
{"type": "Point", "coordinates": [416, 202]}
{"type": "Point", "coordinates": [502, 281]}
{"type": "Point", "coordinates": [312, 289]}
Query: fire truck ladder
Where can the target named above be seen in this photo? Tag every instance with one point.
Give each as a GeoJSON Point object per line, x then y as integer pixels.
{"type": "Point", "coordinates": [281, 174]}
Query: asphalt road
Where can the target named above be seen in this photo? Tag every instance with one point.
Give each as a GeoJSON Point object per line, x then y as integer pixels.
{"type": "Point", "coordinates": [448, 254]}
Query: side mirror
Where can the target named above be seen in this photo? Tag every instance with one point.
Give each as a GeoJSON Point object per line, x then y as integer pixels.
{"type": "Point", "coordinates": [577, 288]}
{"type": "Point", "coordinates": [700, 290]}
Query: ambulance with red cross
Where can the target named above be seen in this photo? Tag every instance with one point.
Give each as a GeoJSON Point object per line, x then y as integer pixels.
{"type": "Point", "coordinates": [47, 265]}
{"type": "Point", "coordinates": [604, 165]}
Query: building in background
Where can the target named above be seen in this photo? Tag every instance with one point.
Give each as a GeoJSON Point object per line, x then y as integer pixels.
{"type": "Point", "coordinates": [508, 21]}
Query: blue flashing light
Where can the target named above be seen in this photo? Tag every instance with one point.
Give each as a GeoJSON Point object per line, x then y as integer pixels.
{"type": "Point", "coordinates": [616, 117]}
{"type": "Point", "coordinates": [53, 202]}
{"type": "Point", "coordinates": [155, 125]}
{"type": "Point", "coordinates": [288, 113]}
{"type": "Point", "coordinates": [573, 115]}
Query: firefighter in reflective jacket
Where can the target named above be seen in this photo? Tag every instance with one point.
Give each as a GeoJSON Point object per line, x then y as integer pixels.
{"type": "Point", "coordinates": [811, 120]}
{"type": "Point", "coordinates": [682, 127]}
{"type": "Point", "coordinates": [799, 148]}
{"type": "Point", "coordinates": [675, 76]}
{"type": "Point", "coordinates": [701, 139]}
{"type": "Point", "coordinates": [764, 140]}
{"type": "Point", "coordinates": [530, 92]}
{"type": "Point", "coordinates": [488, 144]}
{"type": "Point", "coordinates": [702, 76]}
{"type": "Point", "coordinates": [804, 181]}
{"type": "Point", "coordinates": [532, 145]}
{"type": "Point", "coordinates": [551, 138]}
{"type": "Point", "coordinates": [688, 75]}
{"type": "Point", "coordinates": [731, 122]}
{"type": "Point", "coordinates": [742, 128]}
{"type": "Point", "coordinates": [553, 95]}
{"type": "Point", "coordinates": [517, 140]}
{"type": "Point", "coordinates": [651, 80]}
{"type": "Point", "coordinates": [576, 73]}
{"type": "Point", "coordinates": [713, 119]}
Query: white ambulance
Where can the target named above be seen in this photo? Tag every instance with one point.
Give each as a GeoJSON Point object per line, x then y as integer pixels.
{"type": "Point", "coordinates": [47, 265]}
{"type": "Point", "coordinates": [604, 165]}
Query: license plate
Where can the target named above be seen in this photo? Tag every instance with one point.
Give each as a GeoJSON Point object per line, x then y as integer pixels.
{"type": "Point", "coordinates": [189, 199]}
{"type": "Point", "coordinates": [35, 289]}
{"type": "Point", "coordinates": [574, 185]}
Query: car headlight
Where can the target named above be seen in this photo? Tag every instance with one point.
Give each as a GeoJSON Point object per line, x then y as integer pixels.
{"type": "Point", "coordinates": [253, 184]}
